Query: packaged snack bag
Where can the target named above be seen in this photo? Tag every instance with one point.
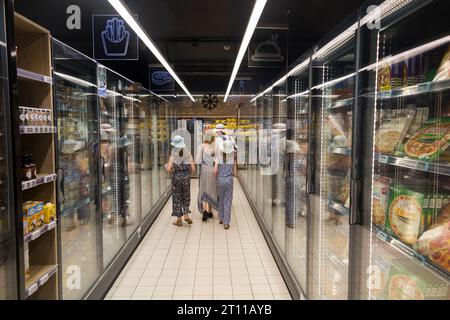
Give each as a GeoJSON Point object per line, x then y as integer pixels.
{"type": "Point", "coordinates": [380, 201]}
{"type": "Point", "coordinates": [405, 214]}
{"type": "Point", "coordinates": [435, 244]}
{"type": "Point", "coordinates": [443, 72]}
{"type": "Point", "coordinates": [430, 141]}
{"type": "Point", "coordinates": [392, 130]}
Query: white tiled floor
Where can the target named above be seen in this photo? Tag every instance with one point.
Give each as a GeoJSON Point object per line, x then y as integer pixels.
{"type": "Point", "coordinates": [203, 261]}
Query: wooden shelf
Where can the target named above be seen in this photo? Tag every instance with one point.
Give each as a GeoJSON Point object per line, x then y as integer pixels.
{"type": "Point", "coordinates": [39, 275]}
{"type": "Point", "coordinates": [32, 76]}
{"type": "Point", "coordinates": [39, 232]}
{"type": "Point", "coordinates": [35, 86]}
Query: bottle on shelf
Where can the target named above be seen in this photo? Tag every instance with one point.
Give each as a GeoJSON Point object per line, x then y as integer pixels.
{"type": "Point", "coordinates": [27, 172]}
{"type": "Point", "coordinates": [32, 165]}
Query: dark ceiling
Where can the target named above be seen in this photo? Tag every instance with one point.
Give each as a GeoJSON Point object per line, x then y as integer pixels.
{"type": "Point", "coordinates": [192, 33]}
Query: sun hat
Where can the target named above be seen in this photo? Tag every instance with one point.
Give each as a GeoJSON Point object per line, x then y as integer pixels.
{"type": "Point", "coordinates": [178, 142]}
{"type": "Point", "coordinates": [220, 127]}
{"type": "Point", "coordinates": [227, 147]}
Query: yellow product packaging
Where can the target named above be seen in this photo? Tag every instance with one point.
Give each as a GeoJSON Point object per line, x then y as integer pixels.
{"type": "Point", "coordinates": [49, 213]}
{"type": "Point", "coordinates": [28, 216]}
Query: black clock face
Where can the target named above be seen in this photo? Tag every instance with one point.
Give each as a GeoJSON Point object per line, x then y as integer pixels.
{"type": "Point", "coordinates": [210, 101]}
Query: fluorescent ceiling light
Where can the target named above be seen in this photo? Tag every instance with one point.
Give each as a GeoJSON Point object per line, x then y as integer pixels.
{"type": "Point", "coordinates": [254, 19]}
{"type": "Point", "coordinates": [387, 8]}
{"type": "Point", "coordinates": [135, 26]}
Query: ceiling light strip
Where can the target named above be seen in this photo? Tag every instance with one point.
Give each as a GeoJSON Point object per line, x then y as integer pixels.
{"type": "Point", "coordinates": [135, 26]}
{"type": "Point", "coordinates": [385, 9]}
{"type": "Point", "coordinates": [254, 19]}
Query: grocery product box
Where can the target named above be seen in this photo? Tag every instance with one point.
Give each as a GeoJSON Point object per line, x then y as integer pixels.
{"type": "Point", "coordinates": [33, 212]}
{"type": "Point", "coordinates": [49, 213]}
{"type": "Point", "coordinates": [411, 281]}
{"type": "Point", "coordinates": [405, 215]}
{"type": "Point", "coordinates": [39, 215]}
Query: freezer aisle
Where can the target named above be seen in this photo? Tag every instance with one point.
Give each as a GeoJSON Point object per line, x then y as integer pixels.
{"type": "Point", "coordinates": [202, 261]}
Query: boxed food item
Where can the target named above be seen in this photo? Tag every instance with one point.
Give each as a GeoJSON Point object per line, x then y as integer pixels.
{"type": "Point", "coordinates": [384, 78]}
{"type": "Point", "coordinates": [435, 245]}
{"type": "Point", "coordinates": [381, 187]}
{"type": "Point", "coordinates": [339, 130]}
{"type": "Point", "coordinates": [410, 281]}
{"type": "Point", "coordinates": [437, 207]}
{"type": "Point", "coordinates": [420, 118]}
{"type": "Point", "coordinates": [39, 214]}
{"type": "Point", "coordinates": [443, 72]}
{"type": "Point", "coordinates": [49, 212]}
{"type": "Point", "coordinates": [393, 129]}
{"type": "Point", "coordinates": [430, 141]}
{"type": "Point", "coordinates": [405, 214]}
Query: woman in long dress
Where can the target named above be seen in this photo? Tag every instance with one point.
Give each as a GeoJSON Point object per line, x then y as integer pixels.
{"type": "Point", "coordinates": [207, 195]}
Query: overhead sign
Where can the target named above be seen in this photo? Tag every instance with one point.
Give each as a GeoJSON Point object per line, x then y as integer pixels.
{"type": "Point", "coordinates": [268, 48]}
{"type": "Point", "coordinates": [113, 39]}
{"type": "Point", "coordinates": [160, 79]}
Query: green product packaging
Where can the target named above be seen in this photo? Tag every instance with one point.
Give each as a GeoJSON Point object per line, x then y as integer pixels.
{"type": "Point", "coordinates": [405, 214]}
{"type": "Point", "coordinates": [411, 281]}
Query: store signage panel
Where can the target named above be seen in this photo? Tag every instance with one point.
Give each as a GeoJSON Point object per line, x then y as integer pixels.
{"type": "Point", "coordinates": [160, 79]}
{"type": "Point", "coordinates": [113, 39]}
{"type": "Point", "coordinates": [268, 48]}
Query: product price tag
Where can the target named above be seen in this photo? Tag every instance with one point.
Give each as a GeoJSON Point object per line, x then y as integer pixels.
{"type": "Point", "coordinates": [383, 158]}
{"type": "Point", "coordinates": [43, 279]}
{"type": "Point", "coordinates": [32, 289]}
{"type": "Point", "coordinates": [35, 234]}
{"type": "Point", "coordinates": [51, 225]}
{"type": "Point", "coordinates": [47, 79]}
{"type": "Point", "coordinates": [49, 178]}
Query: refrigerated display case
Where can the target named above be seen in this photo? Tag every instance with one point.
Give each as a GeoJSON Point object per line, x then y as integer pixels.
{"type": "Point", "coordinates": [8, 276]}
{"type": "Point", "coordinates": [332, 96]}
{"type": "Point", "coordinates": [405, 93]}
{"type": "Point", "coordinates": [295, 172]}
{"type": "Point", "coordinates": [115, 180]}
{"type": "Point", "coordinates": [79, 187]}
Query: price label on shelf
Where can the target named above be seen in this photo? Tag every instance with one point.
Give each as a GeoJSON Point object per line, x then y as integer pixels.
{"type": "Point", "coordinates": [35, 234]}
{"type": "Point", "coordinates": [383, 158]}
{"type": "Point", "coordinates": [49, 178]}
{"type": "Point", "coordinates": [51, 225]}
{"type": "Point", "coordinates": [32, 289]}
{"type": "Point", "coordinates": [43, 279]}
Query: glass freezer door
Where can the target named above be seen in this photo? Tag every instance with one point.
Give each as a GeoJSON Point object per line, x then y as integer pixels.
{"type": "Point", "coordinates": [78, 167]}
{"type": "Point", "coordinates": [407, 97]}
{"type": "Point", "coordinates": [332, 96]}
{"type": "Point", "coordinates": [8, 284]}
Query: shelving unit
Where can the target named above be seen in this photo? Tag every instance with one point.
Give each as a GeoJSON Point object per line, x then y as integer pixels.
{"type": "Point", "coordinates": [35, 84]}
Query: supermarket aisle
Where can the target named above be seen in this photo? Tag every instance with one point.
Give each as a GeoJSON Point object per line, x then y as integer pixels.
{"type": "Point", "coordinates": [202, 261]}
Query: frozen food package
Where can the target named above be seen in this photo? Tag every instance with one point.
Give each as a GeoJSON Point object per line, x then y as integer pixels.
{"type": "Point", "coordinates": [404, 214]}
{"type": "Point", "coordinates": [384, 78]}
{"type": "Point", "coordinates": [443, 72]}
{"type": "Point", "coordinates": [338, 126]}
{"type": "Point", "coordinates": [338, 165]}
{"type": "Point", "coordinates": [393, 129]}
{"type": "Point", "coordinates": [381, 187]}
{"type": "Point", "coordinates": [410, 281]}
{"type": "Point", "coordinates": [430, 141]}
{"type": "Point", "coordinates": [419, 119]}
{"type": "Point", "coordinates": [435, 244]}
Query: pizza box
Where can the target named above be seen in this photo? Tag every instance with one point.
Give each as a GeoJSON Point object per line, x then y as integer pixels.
{"type": "Point", "coordinates": [411, 281]}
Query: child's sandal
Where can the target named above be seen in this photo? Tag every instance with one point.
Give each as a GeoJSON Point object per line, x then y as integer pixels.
{"type": "Point", "coordinates": [188, 220]}
{"type": "Point", "coordinates": [178, 223]}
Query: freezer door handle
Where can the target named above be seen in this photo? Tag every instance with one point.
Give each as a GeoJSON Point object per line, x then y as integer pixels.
{"type": "Point", "coordinates": [355, 206]}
